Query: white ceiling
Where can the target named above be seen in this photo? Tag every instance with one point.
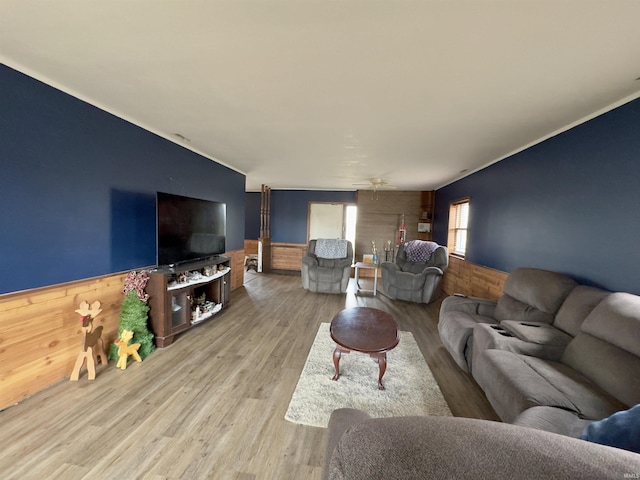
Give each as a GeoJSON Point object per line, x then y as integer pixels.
{"type": "Point", "coordinates": [306, 94]}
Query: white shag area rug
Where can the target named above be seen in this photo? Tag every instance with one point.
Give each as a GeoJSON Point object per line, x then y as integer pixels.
{"type": "Point", "coordinates": [409, 383]}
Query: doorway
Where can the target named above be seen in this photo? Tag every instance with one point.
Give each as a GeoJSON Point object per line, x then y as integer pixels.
{"type": "Point", "coordinates": [332, 220]}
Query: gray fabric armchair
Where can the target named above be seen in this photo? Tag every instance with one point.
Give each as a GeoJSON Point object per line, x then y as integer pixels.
{"type": "Point", "coordinates": [326, 275]}
{"type": "Point", "coordinates": [415, 281]}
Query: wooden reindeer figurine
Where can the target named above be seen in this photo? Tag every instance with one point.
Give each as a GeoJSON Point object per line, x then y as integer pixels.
{"type": "Point", "coordinates": [92, 346]}
{"type": "Point", "coordinates": [124, 349]}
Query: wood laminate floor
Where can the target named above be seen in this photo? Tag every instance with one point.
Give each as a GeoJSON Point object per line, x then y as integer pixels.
{"type": "Point", "coordinates": [211, 405]}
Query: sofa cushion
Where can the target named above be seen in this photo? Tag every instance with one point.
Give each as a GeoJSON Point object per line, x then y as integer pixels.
{"type": "Point", "coordinates": [324, 274]}
{"type": "Point", "coordinates": [616, 320]}
{"type": "Point", "coordinates": [514, 383]}
{"type": "Point", "coordinates": [621, 430]}
{"type": "Point", "coordinates": [552, 419]}
{"type": "Point", "coordinates": [333, 262]}
{"type": "Point", "coordinates": [409, 281]}
{"type": "Point", "coordinates": [608, 366]}
{"type": "Point", "coordinates": [607, 349]}
{"type": "Point", "coordinates": [537, 332]}
{"type": "Point", "coordinates": [486, 336]}
{"type": "Point", "coordinates": [456, 330]}
{"type": "Point", "coordinates": [531, 294]}
{"type": "Point", "coordinates": [578, 305]}
{"type": "Point", "coordinates": [510, 308]}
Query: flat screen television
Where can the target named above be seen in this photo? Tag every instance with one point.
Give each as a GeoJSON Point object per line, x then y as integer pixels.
{"type": "Point", "coordinates": [189, 229]}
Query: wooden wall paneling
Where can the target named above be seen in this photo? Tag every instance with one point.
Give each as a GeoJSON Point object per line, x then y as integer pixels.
{"type": "Point", "coordinates": [251, 247]}
{"type": "Point", "coordinates": [379, 218]}
{"type": "Point", "coordinates": [40, 335]}
{"type": "Point", "coordinates": [473, 280]}
{"type": "Point", "coordinates": [237, 267]}
{"type": "Point", "coordinates": [287, 256]}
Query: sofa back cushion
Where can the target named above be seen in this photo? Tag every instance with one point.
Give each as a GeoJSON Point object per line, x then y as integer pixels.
{"type": "Point", "coordinates": [607, 350]}
{"type": "Point", "coordinates": [533, 295]}
{"type": "Point", "coordinates": [580, 302]}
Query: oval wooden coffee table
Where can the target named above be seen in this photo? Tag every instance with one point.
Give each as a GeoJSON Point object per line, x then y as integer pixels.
{"type": "Point", "coordinates": [366, 330]}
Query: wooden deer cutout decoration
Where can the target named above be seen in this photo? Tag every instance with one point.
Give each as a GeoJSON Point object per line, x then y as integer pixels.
{"type": "Point", "coordinates": [124, 349]}
{"type": "Point", "coordinates": [92, 345]}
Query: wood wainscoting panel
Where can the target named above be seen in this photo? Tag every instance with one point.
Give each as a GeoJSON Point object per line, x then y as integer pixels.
{"type": "Point", "coordinates": [251, 247]}
{"type": "Point", "coordinates": [287, 256]}
{"type": "Point", "coordinates": [379, 218]}
{"type": "Point", "coordinates": [40, 334]}
{"type": "Point", "coordinates": [473, 280]}
{"type": "Point", "coordinates": [41, 337]}
{"type": "Point", "coordinates": [237, 268]}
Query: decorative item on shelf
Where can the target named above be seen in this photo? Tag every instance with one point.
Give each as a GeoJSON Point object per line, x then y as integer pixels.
{"type": "Point", "coordinates": [367, 258]}
{"type": "Point", "coordinates": [374, 251]}
{"type": "Point", "coordinates": [402, 233]}
{"type": "Point", "coordinates": [388, 256]}
{"type": "Point", "coordinates": [183, 277]}
{"type": "Point", "coordinates": [209, 270]}
{"type": "Point", "coordinates": [134, 314]}
{"type": "Point", "coordinates": [124, 349]}
{"type": "Point", "coordinates": [424, 227]}
{"type": "Point", "coordinates": [200, 299]}
{"type": "Point", "coordinates": [92, 346]}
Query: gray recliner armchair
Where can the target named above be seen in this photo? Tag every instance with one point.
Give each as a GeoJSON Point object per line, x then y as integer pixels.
{"type": "Point", "coordinates": [415, 280]}
{"type": "Point", "coordinates": [328, 268]}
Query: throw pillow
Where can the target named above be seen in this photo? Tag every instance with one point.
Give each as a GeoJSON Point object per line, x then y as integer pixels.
{"type": "Point", "coordinates": [621, 430]}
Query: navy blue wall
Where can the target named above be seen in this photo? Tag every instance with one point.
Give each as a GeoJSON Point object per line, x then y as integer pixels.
{"type": "Point", "coordinates": [289, 209]}
{"type": "Point", "coordinates": [568, 204]}
{"type": "Point", "coordinates": [78, 187]}
{"type": "Point", "coordinates": [252, 215]}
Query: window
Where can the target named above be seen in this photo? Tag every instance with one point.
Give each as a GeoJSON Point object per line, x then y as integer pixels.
{"type": "Point", "coordinates": [458, 221]}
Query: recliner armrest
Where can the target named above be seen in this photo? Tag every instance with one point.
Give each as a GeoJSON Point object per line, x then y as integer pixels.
{"type": "Point", "coordinates": [432, 271]}
{"type": "Point", "coordinates": [343, 263]}
{"type": "Point", "coordinates": [309, 260]}
{"type": "Point", "coordinates": [390, 267]}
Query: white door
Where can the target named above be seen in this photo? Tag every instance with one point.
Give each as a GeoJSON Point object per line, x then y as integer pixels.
{"type": "Point", "coordinates": [326, 220]}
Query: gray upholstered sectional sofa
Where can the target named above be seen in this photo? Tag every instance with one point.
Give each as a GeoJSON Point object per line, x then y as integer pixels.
{"type": "Point", "coordinates": [530, 296]}
{"type": "Point", "coordinates": [550, 354]}
{"type": "Point", "coordinates": [430, 447]}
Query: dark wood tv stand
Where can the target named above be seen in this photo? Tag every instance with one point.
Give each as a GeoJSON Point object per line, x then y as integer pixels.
{"type": "Point", "coordinates": [185, 295]}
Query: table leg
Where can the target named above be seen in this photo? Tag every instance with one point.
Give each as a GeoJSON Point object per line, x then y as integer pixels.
{"type": "Point", "coordinates": [337, 354]}
{"type": "Point", "coordinates": [381, 360]}
{"type": "Point", "coordinates": [357, 279]}
{"type": "Point", "coordinates": [375, 281]}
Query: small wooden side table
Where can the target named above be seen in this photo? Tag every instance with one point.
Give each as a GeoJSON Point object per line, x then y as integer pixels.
{"type": "Point", "coordinates": [366, 266]}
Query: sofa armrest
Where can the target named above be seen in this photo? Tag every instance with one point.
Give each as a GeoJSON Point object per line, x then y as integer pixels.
{"type": "Point", "coordinates": [415, 448]}
{"type": "Point", "coordinates": [340, 421]}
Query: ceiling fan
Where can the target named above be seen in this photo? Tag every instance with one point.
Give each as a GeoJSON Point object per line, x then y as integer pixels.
{"type": "Point", "coordinates": [376, 184]}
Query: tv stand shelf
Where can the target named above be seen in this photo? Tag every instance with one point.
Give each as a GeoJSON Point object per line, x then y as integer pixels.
{"type": "Point", "coordinates": [185, 295]}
